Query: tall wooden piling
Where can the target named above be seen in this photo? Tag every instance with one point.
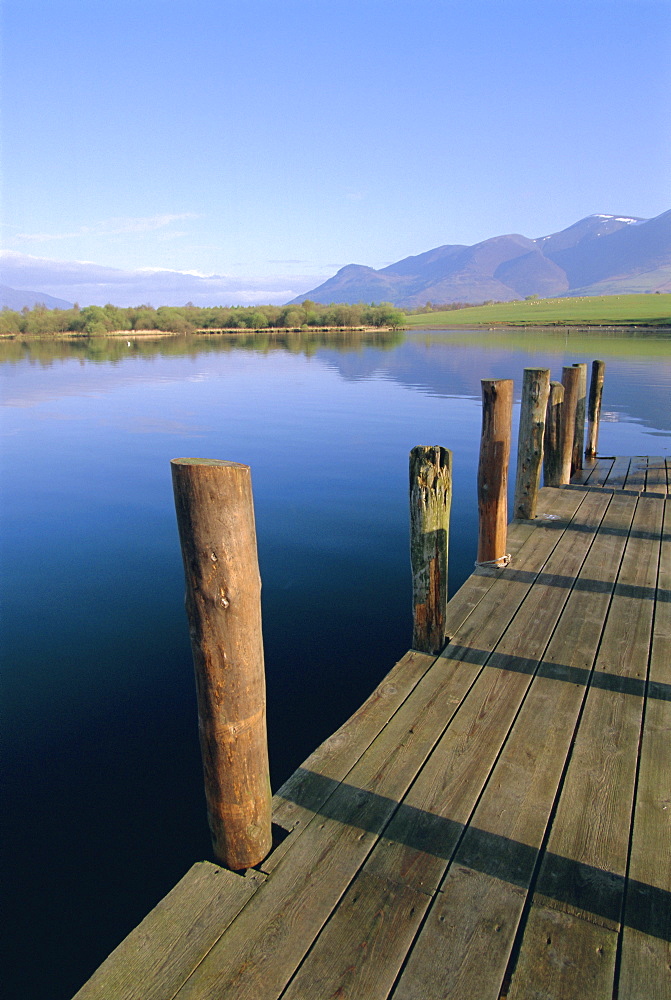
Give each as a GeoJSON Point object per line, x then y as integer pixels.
{"type": "Point", "coordinates": [580, 411]}
{"type": "Point", "coordinates": [535, 391]}
{"type": "Point", "coordinates": [571, 383]}
{"type": "Point", "coordinates": [430, 502]}
{"type": "Point", "coordinates": [497, 408]}
{"type": "Point", "coordinates": [552, 463]}
{"type": "Point", "coordinates": [215, 516]}
{"type": "Point", "coordinates": [594, 408]}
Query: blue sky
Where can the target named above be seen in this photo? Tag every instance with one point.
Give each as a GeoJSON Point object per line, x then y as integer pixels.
{"type": "Point", "coordinates": [271, 142]}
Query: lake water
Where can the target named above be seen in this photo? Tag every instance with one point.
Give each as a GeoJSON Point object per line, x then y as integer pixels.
{"type": "Point", "coordinates": [103, 796]}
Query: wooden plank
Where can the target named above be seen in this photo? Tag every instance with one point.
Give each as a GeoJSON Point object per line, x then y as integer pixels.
{"type": "Point", "coordinates": [582, 476]}
{"type": "Point", "coordinates": [637, 473]}
{"type": "Point", "coordinates": [600, 471]}
{"type": "Point", "coordinates": [339, 753]}
{"type": "Point", "coordinates": [555, 509]}
{"type": "Point", "coordinates": [646, 938]}
{"type": "Point", "coordinates": [419, 840]}
{"type": "Point", "coordinates": [376, 923]}
{"type": "Point", "coordinates": [549, 972]}
{"type": "Point", "coordinates": [450, 782]}
{"type": "Point", "coordinates": [263, 948]}
{"type": "Point", "coordinates": [583, 871]}
{"type": "Point", "coordinates": [464, 946]}
{"type": "Point", "coordinates": [416, 846]}
{"type": "Point", "coordinates": [162, 952]}
{"type": "Point", "coordinates": [301, 795]}
{"type": "Point", "coordinates": [618, 474]}
{"type": "Point", "coordinates": [655, 479]}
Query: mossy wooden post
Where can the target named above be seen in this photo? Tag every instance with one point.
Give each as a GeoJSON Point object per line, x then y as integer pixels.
{"type": "Point", "coordinates": [497, 409]}
{"type": "Point", "coordinates": [571, 382]}
{"type": "Point", "coordinates": [215, 516]}
{"type": "Point", "coordinates": [551, 441]}
{"type": "Point", "coordinates": [594, 409]}
{"type": "Point", "coordinates": [580, 410]}
{"type": "Point", "coordinates": [535, 391]}
{"type": "Point", "coordinates": [430, 502]}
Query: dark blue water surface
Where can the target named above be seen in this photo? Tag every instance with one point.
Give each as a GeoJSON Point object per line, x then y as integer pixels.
{"type": "Point", "coordinates": [103, 807]}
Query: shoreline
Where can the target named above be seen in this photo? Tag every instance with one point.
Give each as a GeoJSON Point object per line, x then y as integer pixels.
{"type": "Point", "coordinates": [282, 331]}
{"type": "Point", "coordinates": [230, 331]}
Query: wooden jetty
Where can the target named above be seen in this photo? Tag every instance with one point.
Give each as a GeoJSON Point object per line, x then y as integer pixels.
{"type": "Point", "coordinates": [495, 821]}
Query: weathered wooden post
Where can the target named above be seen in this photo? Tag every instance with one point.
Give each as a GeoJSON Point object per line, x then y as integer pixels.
{"type": "Point", "coordinates": [215, 516]}
{"type": "Point", "coordinates": [430, 502]}
{"type": "Point", "coordinates": [552, 439]}
{"type": "Point", "coordinates": [571, 383]}
{"type": "Point", "coordinates": [535, 391]}
{"type": "Point", "coordinates": [594, 410]}
{"type": "Point", "coordinates": [580, 408]}
{"type": "Point", "coordinates": [497, 408]}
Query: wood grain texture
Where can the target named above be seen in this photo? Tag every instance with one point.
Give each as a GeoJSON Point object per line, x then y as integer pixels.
{"type": "Point", "coordinates": [497, 403]}
{"type": "Point", "coordinates": [645, 972]}
{"type": "Point", "coordinates": [601, 471]}
{"type": "Point", "coordinates": [618, 474]}
{"type": "Point", "coordinates": [264, 947]}
{"type": "Point", "coordinates": [580, 414]}
{"type": "Point", "coordinates": [215, 517]}
{"type": "Point", "coordinates": [582, 476]}
{"type": "Point", "coordinates": [655, 478]}
{"type": "Point", "coordinates": [301, 796]}
{"type": "Point", "coordinates": [335, 757]}
{"type": "Point", "coordinates": [565, 958]}
{"type": "Point", "coordinates": [506, 766]}
{"type": "Point", "coordinates": [552, 441]}
{"type": "Point", "coordinates": [474, 950]}
{"type": "Point", "coordinates": [535, 392]}
{"type": "Point", "coordinates": [584, 869]}
{"type": "Point", "coordinates": [270, 939]}
{"type": "Point", "coordinates": [361, 949]}
{"type": "Point", "coordinates": [638, 470]}
{"type": "Point", "coordinates": [463, 946]}
{"type": "Point", "coordinates": [160, 954]}
{"type": "Point", "coordinates": [418, 843]}
{"type": "Point", "coordinates": [594, 408]}
{"type": "Point", "coordinates": [430, 503]}
{"type": "Point", "coordinates": [571, 379]}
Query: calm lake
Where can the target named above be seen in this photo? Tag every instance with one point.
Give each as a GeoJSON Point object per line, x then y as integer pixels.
{"type": "Point", "coordinates": [103, 802]}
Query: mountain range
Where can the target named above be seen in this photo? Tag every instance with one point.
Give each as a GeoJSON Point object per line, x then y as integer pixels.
{"type": "Point", "coordinates": [599, 255]}
{"type": "Point", "coordinates": [15, 298]}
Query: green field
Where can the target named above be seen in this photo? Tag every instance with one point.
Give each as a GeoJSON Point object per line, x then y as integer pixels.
{"type": "Point", "coordinates": [596, 310]}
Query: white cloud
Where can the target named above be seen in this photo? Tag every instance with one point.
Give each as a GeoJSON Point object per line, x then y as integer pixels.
{"type": "Point", "coordinates": [113, 227]}
{"type": "Point", "coordinates": [95, 284]}
{"type": "Point", "coordinates": [44, 237]}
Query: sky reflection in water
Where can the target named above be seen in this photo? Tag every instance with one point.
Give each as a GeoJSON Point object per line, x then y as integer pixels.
{"type": "Point", "coordinates": [104, 791]}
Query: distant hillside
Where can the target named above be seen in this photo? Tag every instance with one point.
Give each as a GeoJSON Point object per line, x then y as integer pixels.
{"type": "Point", "coordinates": [589, 310]}
{"type": "Point", "coordinates": [602, 254]}
{"type": "Point", "coordinates": [18, 299]}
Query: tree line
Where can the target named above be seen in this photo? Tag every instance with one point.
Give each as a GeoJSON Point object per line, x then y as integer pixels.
{"type": "Point", "coordinates": [95, 321]}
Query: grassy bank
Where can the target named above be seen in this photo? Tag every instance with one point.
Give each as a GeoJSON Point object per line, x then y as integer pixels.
{"type": "Point", "coordinates": [597, 310]}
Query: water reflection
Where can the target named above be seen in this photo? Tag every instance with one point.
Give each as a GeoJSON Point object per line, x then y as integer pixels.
{"type": "Point", "coordinates": [104, 795]}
